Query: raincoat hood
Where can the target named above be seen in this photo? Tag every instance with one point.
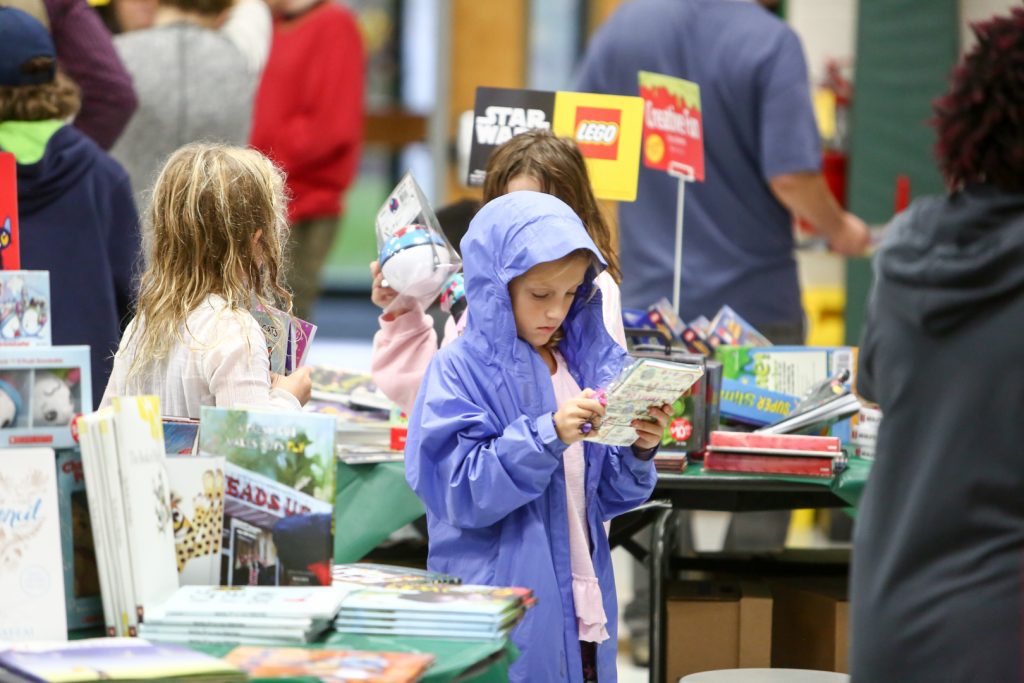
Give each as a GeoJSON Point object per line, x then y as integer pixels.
{"type": "Point", "coordinates": [509, 236]}
{"type": "Point", "coordinates": [946, 260]}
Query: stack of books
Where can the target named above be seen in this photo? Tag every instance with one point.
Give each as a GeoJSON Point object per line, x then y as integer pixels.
{"type": "Point", "coordinates": [111, 659]}
{"type": "Point", "coordinates": [128, 492]}
{"type": "Point", "coordinates": [434, 610]}
{"type": "Point", "coordinates": [334, 666]}
{"type": "Point", "coordinates": [251, 614]}
{"type": "Point", "coordinates": [368, 429]}
{"type": "Point", "coordinates": [675, 461]}
{"type": "Point", "coordinates": [788, 454]}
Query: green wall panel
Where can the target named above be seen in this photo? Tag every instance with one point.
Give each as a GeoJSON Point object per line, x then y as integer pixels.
{"type": "Point", "coordinates": [905, 50]}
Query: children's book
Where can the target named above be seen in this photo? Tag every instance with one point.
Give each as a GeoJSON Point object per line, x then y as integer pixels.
{"type": "Point", "coordinates": [370, 574]}
{"type": "Point", "coordinates": [337, 385]}
{"type": "Point", "coordinates": [330, 666]}
{"type": "Point", "coordinates": [279, 494]}
{"type": "Point", "coordinates": [439, 598]}
{"type": "Point", "coordinates": [798, 465]}
{"type": "Point", "coordinates": [181, 435]}
{"type": "Point", "coordinates": [288, 337]}
{"type": "Point", "coordinates": [146, 492]}
{"type": "Point", "coordinates": [779, 444]}
{"type": "Point", "coordinates": [225, 634]}
{"type": "Point", "coordinates": [25, 308]}
{"type": "Point", "coordinates": [31, 570]}
{"type": "Point", "coordinates": [10, 248]}
{"type": "Point", "coordinates": [197, 510]}
{"type": "Point", "coordinates": [112, 659]}
{"type": "Point", "coordinates": [81, 577]}
{"type": "Point", "coordinates": [320, 603]}
{"type": "Point", "coordinates": [641, 384]}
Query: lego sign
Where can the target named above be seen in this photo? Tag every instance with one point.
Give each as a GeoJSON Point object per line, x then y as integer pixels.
{"type": "Point", "coordinates": [605, 127]}
{"type": "Point", "coordinates": [673, 137]}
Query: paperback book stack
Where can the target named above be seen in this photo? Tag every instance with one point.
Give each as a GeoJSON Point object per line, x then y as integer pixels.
{"type": "Point", "coordinates": [434, 610]}
{"type": "Point", "coordinates": [787, 454]}
{"type": "Point", "coordinates": [369, 426]}
{"type": "Point", "coordinates": [111, 659]}
{"type": "Point", "coordinates": [251, 614]}
{"type": "Point", "coordinates": [128, 493]}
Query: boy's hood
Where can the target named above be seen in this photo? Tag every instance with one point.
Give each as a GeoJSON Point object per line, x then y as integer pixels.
{"type": "Point", "coordinates": [64, 161]}
{"type": "Point", "coordinates": [948, 260]}
{"type": "Point", "coordinates": [507, 238]}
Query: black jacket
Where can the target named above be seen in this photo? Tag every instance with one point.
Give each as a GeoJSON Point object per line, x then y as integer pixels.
{"type": "Point", "coordinates": [937, 588]}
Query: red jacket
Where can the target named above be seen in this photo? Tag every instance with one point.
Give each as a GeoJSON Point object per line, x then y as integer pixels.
{"type": "Point", "coordinates": [308, 114]}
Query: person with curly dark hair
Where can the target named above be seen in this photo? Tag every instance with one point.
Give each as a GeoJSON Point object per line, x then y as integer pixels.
{"type": "Point", "coordinates": [937, 586]}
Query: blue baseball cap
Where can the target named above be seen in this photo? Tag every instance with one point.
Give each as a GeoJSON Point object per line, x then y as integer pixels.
{"type": "Point", "coordinates": [22, 38]}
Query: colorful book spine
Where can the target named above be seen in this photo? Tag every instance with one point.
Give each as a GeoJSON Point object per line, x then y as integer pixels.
{"type": "Point", "coordinates": [753, 405]}
{"type": "Point", "coordinates": [775, 443]}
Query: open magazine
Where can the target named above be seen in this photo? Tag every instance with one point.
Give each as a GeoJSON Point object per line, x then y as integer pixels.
{"type": "Point", "coordinates": [643, 383]}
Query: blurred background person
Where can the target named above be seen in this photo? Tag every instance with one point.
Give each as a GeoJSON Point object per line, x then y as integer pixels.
{"type": "Point", "coordinates": [195, 71]}
{"type": "Point", "coordinates": [309, 119]}
{"type": "Point", "coordinates": [937, 579]}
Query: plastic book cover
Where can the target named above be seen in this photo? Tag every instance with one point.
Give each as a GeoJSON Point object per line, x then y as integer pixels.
{"type": "Point", "coordinates": [197, 510]}
{"type": "Point", "coordinates": [438, 598]}
{"type": "Point", "coordinates": [180, 435]}
{"type": "Point", "coordinates": [279, 494]}
{"type": "Point", "coordinates": [42, 390]}
{"type": "Point", "coordinates": [146, 491]}
{"type": "Point", "coordinates": [311, 602]}
{"type": "Point", "coordinates": [113, 659]}
{"type": "Point", "coordinates": [641, 384]}
{"type": "Point", "coordinates": [330, 666]}
{"type": "Point", "coordinates": [728, 328]}
{"type": "Point", "coordinates": [81, 575]}
{"type": "Point", "coordinates": [370, 574]}
{"type": "Point", "coordinates": [31, 569]}
{"type": "Point", "coordinates": [25, 308]}
{"type": "Point", "coordinates": [10, 247]}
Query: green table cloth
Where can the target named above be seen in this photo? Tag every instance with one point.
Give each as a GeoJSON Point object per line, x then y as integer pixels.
{"type": "Point", "coordinates": [371, 502]}
{"type": "Point", "coordinates": [465, 660]}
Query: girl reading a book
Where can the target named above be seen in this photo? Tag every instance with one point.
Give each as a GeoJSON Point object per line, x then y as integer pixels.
{"type": "Point", "coordinates": [213, 250]}
{"type": "Point", "coordinates": [513, 496]}
{"type": "Point", "coordinates": [535, 160]}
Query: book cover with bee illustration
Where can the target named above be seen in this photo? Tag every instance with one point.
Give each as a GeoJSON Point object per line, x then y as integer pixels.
{"type": "Point", "coordinates": [279, 484]}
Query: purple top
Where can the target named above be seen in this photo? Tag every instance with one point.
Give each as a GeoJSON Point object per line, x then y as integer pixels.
{"type": "Point", "coordinates": [86, 54]}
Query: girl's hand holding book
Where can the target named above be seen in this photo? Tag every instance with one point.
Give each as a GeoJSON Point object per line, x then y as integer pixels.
{"type": "Point", "coordinates": [579, 416]}
{"type": "Point", "coordinates": [649, 431]}
{"type": "Point", "coordinates": [298, 384]}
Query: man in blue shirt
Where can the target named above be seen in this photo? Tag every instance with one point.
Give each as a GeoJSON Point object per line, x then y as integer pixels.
{"type": "Point", "coordinates": [762, 161]}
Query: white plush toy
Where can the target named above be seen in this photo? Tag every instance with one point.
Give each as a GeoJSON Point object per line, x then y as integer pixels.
{"type": "Point", "coordinates": [52, 404]}
{"type": "Point", "coordinates": [10, 404]}
{"type": "Point", "coordinates": [416, 262]}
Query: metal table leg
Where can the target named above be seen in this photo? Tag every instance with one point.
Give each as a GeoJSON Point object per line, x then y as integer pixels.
{"type": "Point", "coordinates": [662, 541]}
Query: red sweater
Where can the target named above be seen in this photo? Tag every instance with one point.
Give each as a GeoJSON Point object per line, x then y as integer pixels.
{"type": "Point", "coordinates": [308, 114]}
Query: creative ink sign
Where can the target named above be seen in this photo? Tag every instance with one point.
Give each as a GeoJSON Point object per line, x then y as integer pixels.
{"type": "Point", "coordinates": [673, 137]}
{"type": "Point", "coordinates": [606, 128]}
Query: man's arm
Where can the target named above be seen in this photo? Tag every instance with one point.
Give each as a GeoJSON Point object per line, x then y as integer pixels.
{"type": "Point", "coordinates": [806, 195]}
{"type": "Point", "coordinates": [85, 51]}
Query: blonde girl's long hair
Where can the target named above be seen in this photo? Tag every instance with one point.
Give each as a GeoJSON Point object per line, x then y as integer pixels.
{"type": "Point", "coordinates": [556, 163]}
{"type": "Point", "coordinates": [216, 225]}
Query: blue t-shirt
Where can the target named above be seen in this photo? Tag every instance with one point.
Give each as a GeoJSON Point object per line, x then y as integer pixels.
{"type": "Point", "coordinates": [758, 124]}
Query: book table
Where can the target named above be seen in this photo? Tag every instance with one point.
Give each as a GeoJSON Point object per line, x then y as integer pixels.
{"type": "Point", "coordinates": [696, 489]}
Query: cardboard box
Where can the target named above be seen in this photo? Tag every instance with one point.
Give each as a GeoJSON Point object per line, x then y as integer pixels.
{"type": "Point", "coordinates": [717, 625]}
{"type": "Point", "coordinates": [809, 625]}
{"type": "Point", "coordinates": [42, 390]}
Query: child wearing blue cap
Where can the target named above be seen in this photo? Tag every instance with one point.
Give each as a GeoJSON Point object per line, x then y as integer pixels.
{"type": "Point", "coordinates": [77, 216]}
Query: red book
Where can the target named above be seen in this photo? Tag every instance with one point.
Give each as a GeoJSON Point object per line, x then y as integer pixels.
{"type": "Point", "coordinates": [800, 465]}
{"type": "Point", "coordinates": [10, 251]}
{"type": "Point", "coordinates": [781, 444]}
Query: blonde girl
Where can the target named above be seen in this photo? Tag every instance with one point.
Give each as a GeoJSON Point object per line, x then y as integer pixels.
{"type": "Point", "coordinates": [215, 228]}
{"type": "Point", "coordinates": [536, 160]}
